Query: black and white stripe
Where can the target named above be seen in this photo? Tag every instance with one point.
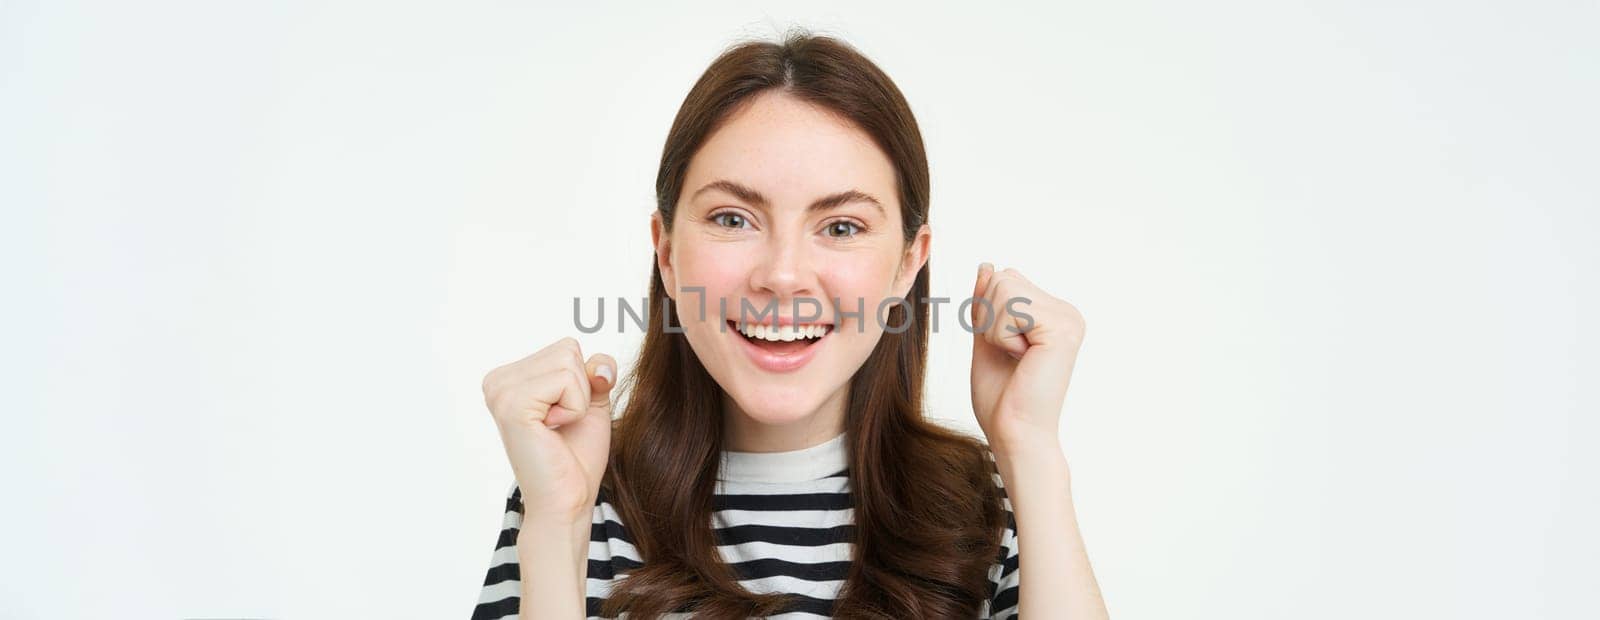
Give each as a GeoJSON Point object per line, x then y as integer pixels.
{"type": "Point", "coordinates": [790, 537]}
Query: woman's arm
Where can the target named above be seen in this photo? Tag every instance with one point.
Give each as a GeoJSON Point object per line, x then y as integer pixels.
{"type": "Point", "coordinates": [1024, 348]}
{"type": "Point", "coordinates": [553, 411]}
{"type": "Point", "coordinates": [553, 561]}
{"type": "Point", "coordinates": [1058, 575]}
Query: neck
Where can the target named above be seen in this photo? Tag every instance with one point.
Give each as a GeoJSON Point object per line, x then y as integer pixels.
{"type": "Point", "coordinates": [742, 433]}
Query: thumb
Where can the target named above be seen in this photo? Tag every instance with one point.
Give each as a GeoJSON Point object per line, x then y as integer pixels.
{"type": "Point", "coordinates": [980, 312]}
{"type": "Point", "coordinates": [602, 371]}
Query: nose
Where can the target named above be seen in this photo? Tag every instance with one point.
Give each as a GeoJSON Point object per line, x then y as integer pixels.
{"type": "Point", "coordinates": [784, 271]}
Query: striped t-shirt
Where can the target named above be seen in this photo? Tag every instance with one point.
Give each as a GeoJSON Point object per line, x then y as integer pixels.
{"type": "Point", "coordinates": [783, 521]}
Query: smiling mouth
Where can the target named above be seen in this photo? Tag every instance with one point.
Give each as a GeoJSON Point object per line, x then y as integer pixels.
{"type": "Point", "coordinates": [781, 339]}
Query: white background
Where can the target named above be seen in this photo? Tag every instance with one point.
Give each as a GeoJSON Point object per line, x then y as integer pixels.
{"type": "Point", "coordinates": [1333, 257]}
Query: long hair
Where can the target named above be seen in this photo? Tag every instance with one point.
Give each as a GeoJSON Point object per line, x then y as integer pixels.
{"type": "Point", "coordinates": [927, 516]}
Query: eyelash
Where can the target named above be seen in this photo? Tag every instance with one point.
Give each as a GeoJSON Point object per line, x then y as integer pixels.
{"type": "Point", "coordinates": [719, 218]}
{"type": "Point", "coordinates": [858, 228]}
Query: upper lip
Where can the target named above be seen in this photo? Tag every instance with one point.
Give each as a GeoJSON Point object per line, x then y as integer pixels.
{"type": "Point", "coordinates": [780, 321]}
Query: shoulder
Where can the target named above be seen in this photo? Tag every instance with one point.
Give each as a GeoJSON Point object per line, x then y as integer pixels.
{"type": "Point", "coordinates": [962, 449]}
{"type": "Point", "coordinates": [999, 482]}
{"type": "Point", "coordinates": [1005, 500]}
{"type": "Point", "coordinates": [994, 469]}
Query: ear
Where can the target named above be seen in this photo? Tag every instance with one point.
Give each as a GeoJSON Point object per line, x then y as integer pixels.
{"type": "Point", "coordinates": [912, 261]}
{"type": "Point", "coordinates": [663, 243]}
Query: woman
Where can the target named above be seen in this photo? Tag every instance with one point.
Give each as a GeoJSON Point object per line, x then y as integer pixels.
{"type": "Point", "coordinates": [781, 464]}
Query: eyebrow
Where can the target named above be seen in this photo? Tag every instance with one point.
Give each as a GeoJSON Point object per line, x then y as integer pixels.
{"type": "Point", "coordinates": [821, 204]}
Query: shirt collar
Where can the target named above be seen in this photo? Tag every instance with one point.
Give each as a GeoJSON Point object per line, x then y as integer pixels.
{"type": "Point", "coordinates": [813, 463]}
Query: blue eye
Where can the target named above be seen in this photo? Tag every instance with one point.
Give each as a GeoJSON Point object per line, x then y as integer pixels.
{"type": "Point", "coordinates": [730, 220]}
{"type": "Point", "coordinates": [843, 228]}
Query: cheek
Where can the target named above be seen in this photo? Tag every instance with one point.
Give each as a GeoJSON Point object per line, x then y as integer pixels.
{"type": "Point", "coordinates": [852, 278]}
{"type": "Point", "coordinates": [860, 285]}
{"type": "Point", "coordinates": [718, 269]}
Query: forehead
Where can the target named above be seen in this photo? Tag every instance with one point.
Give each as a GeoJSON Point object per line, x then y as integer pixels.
{"type": "Point", "coordinates": [793, 152]}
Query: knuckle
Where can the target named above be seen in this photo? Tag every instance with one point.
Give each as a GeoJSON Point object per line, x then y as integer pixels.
{"type": "Point", "coordinates": [499, 403]}
{"type": "Point", "coordinates": [557, 348]}
{"type": "Point", "coordinates": [576, 378]}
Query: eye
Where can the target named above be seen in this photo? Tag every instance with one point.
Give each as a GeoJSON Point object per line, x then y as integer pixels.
{"type": "Point", "coordinates": [842, 229]}
{"type": "Point", "coordinates": [729, 219]}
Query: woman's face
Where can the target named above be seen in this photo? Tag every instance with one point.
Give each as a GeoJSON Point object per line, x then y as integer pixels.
{"type": "Point", "coordinates": [786, 202]}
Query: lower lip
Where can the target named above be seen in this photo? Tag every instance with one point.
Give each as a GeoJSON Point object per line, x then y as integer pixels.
{"type": "Point", "coordinates": [773, 362]}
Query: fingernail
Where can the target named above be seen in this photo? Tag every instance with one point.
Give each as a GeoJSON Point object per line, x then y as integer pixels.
{"type": "Point", "coordinates": [605, 371]}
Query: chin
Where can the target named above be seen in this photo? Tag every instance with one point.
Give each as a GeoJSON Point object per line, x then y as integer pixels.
{"type": "Point", "coordinates": [779, 404]}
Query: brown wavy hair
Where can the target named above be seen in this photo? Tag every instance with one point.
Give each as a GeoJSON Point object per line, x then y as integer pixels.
{"type": "Point", "coordinates": [927, 515]}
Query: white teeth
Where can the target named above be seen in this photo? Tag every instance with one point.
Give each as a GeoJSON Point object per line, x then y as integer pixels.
{"type": "Point", "coordinates": [786, 333]}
